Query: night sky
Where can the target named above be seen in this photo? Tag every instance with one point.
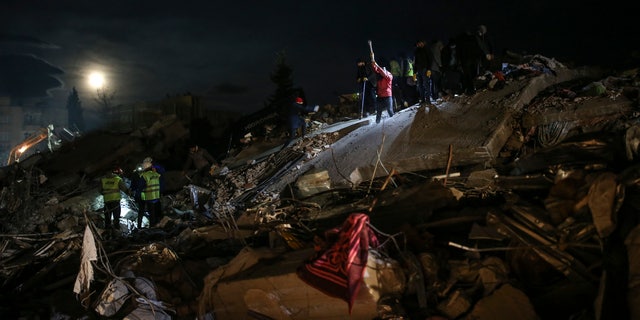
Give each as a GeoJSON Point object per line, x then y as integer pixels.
{"type": "Point", "coordinates": [226, 50]}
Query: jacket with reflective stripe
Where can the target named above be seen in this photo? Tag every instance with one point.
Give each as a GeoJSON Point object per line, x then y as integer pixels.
{"type": "Point", "coordinates": [409, 69]}
{"type": "Point", "coordinates": [151, 190]}
{"type": "Point", "coordinates": [111, 188]}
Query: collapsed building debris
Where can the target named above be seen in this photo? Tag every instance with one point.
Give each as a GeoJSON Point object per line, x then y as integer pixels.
{"type": "Point", "coordinates": [528, 209]}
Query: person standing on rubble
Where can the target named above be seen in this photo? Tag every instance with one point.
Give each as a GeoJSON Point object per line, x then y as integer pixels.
{"type": "Point", "coordinates": [421, 65]}
{"type": "Point", "coordinates": [201, 160]}
{"type": "Point", "coordinates": [366, 79]}
{"type": "Point", "coordinates": [395, 67]}
{"type": "Point", "coordinates": [451, 70]}
{"type": "Point", "coordinates": [384, 91]}
{"type": "Point", "coordinates": [295, 118]}
{"type": "Point", "coordinates": [436, 69]}
{"type": "Point", "coordinates": [111, 187]}
{"type": "Point", "coordinates": [149, 185]}
{"type": "Point", "coordinates": [475, 52]}
{"type": "Point", "coordinates": [148, 161]}
{"type": "Point", "coordinates": [136, 189]}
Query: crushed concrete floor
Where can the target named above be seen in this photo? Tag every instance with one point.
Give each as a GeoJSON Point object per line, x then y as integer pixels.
{"type": "Point", "coordinates": [516, 202]}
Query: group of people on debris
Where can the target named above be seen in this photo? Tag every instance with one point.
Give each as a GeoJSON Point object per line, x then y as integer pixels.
{"type": "Point", "coordinates": [146, 185]}
{"type": "Point", "coordinates": [435, 71]}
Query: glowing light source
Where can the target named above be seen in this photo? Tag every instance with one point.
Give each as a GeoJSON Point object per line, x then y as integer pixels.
{"type": "Point", "coordinates": [96, 80]}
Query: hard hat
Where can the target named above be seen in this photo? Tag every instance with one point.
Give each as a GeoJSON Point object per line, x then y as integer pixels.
{"type": "Point", "coordinates": [299, 100]}
{"type": "Point", "coordinates": [147, 162]}
{"type": "Point", "coordinates": [482, 29]}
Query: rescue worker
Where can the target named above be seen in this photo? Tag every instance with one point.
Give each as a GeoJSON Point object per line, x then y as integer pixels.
{"type": "Point", "coordinates": [111, 187]}
{"type": "Point", "coordinates": [136, 188]}
{"type": "Point", "coordinates": [384, 101]}
{"type": "Point", "coordinates": [157, 168]}
{"type": "Point", "coordinates": [201, 159]}
{"type": "Point", "coordinates": [435, 50]}
{"type": "Point", "coordinates": [421, 65]}
{"type": "Point", "coordinates": [395, 67]}
{"type": "Point", "coordinates": [475, 53]}
{"type": "Point", "coordinates": [149, 183]}
{"type": "Point", "coordinates": [410, 92]}
{"type": "Point", "coordinates": [366, 79]}
{"type": "Point", "coordinates": [295, 119]}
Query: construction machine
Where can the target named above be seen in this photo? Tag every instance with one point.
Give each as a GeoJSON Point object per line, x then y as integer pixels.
{"type": "Point", "coordinates": [18, 151]}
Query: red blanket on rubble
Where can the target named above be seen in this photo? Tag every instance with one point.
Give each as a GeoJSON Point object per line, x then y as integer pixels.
{"type": "Point", "coordinates": [338, 271]}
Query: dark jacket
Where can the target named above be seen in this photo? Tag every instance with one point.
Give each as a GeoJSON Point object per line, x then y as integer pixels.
{"type": "Point", "coordinates": [365, 73]}
{"type": "Point", "coordinates": [421, 59]}
{"type": "Point", "coordinates": [436, 55]}
{"type": "Point", "coordinates": [450, 59]}
{"type": "Point", "coordinates": [295, 111]}
{"type": "Point", "coordinates": [472, 46]}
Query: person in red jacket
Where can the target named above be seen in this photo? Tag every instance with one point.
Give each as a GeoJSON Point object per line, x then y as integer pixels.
{"type": "Point", "coordinates": [384, 90]}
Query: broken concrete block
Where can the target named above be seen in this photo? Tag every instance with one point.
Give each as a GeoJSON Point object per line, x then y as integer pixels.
{"type": "Point", "coordinates": [481, 179]}
{"type": "Point", "coordinates": [312, 183]}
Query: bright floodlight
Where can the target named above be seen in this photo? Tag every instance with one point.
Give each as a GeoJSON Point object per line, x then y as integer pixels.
{"type": "Point", "coordinates": [96, 80]}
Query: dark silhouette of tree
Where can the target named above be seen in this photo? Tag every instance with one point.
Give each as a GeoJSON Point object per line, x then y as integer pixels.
{"type": "Point", "coordinates": [282, 76]}
{"type": "Point", "coordinates": [74, 111]}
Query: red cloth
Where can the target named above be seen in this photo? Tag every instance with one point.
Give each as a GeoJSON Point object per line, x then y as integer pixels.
{"type": "Point", "coordinates": [339, 270]}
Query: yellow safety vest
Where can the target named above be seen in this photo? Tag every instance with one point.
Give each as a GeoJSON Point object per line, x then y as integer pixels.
{"type": "Point", "coordinates": [409, 71]}
{"type": "Point", "coordinates": [111, 188]}
{"type": "Point", "coordinates": [152, 188]}
{"type": "Point", "coordinates": [395, 69]}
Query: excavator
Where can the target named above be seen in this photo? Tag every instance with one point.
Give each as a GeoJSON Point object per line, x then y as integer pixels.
{"type": "Point", "coordinates": [18, 151]}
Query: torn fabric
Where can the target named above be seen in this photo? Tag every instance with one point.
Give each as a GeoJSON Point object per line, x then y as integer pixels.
{"type": "Point", "coordinates": [89, 254]}
{"type": "Point", "coordinates": [338, 272]}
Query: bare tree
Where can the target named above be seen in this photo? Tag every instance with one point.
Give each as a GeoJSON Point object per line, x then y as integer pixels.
{"type": "Point", "coordinates": [104, 98]}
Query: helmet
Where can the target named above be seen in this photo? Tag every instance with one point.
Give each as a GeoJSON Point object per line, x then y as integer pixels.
{"type": "Point", "coordinates": [147, 162]}
{"type": "Point", "coordinates": [482, 29]}
{"type": "Point", "coordinates": [299, 100]}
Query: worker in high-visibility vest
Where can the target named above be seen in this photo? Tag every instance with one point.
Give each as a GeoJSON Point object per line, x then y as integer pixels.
{"type": "Point", "coordinates": [111, 187]}
{"type": "Point", "coordinates": [150, 195]}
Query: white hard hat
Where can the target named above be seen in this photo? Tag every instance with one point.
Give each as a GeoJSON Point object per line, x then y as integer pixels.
{"type": "Point", "coordinates": [146, 163]}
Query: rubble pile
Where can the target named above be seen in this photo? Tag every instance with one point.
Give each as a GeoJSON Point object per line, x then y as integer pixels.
{"type": "Point", "coordinates": [547, 229]}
